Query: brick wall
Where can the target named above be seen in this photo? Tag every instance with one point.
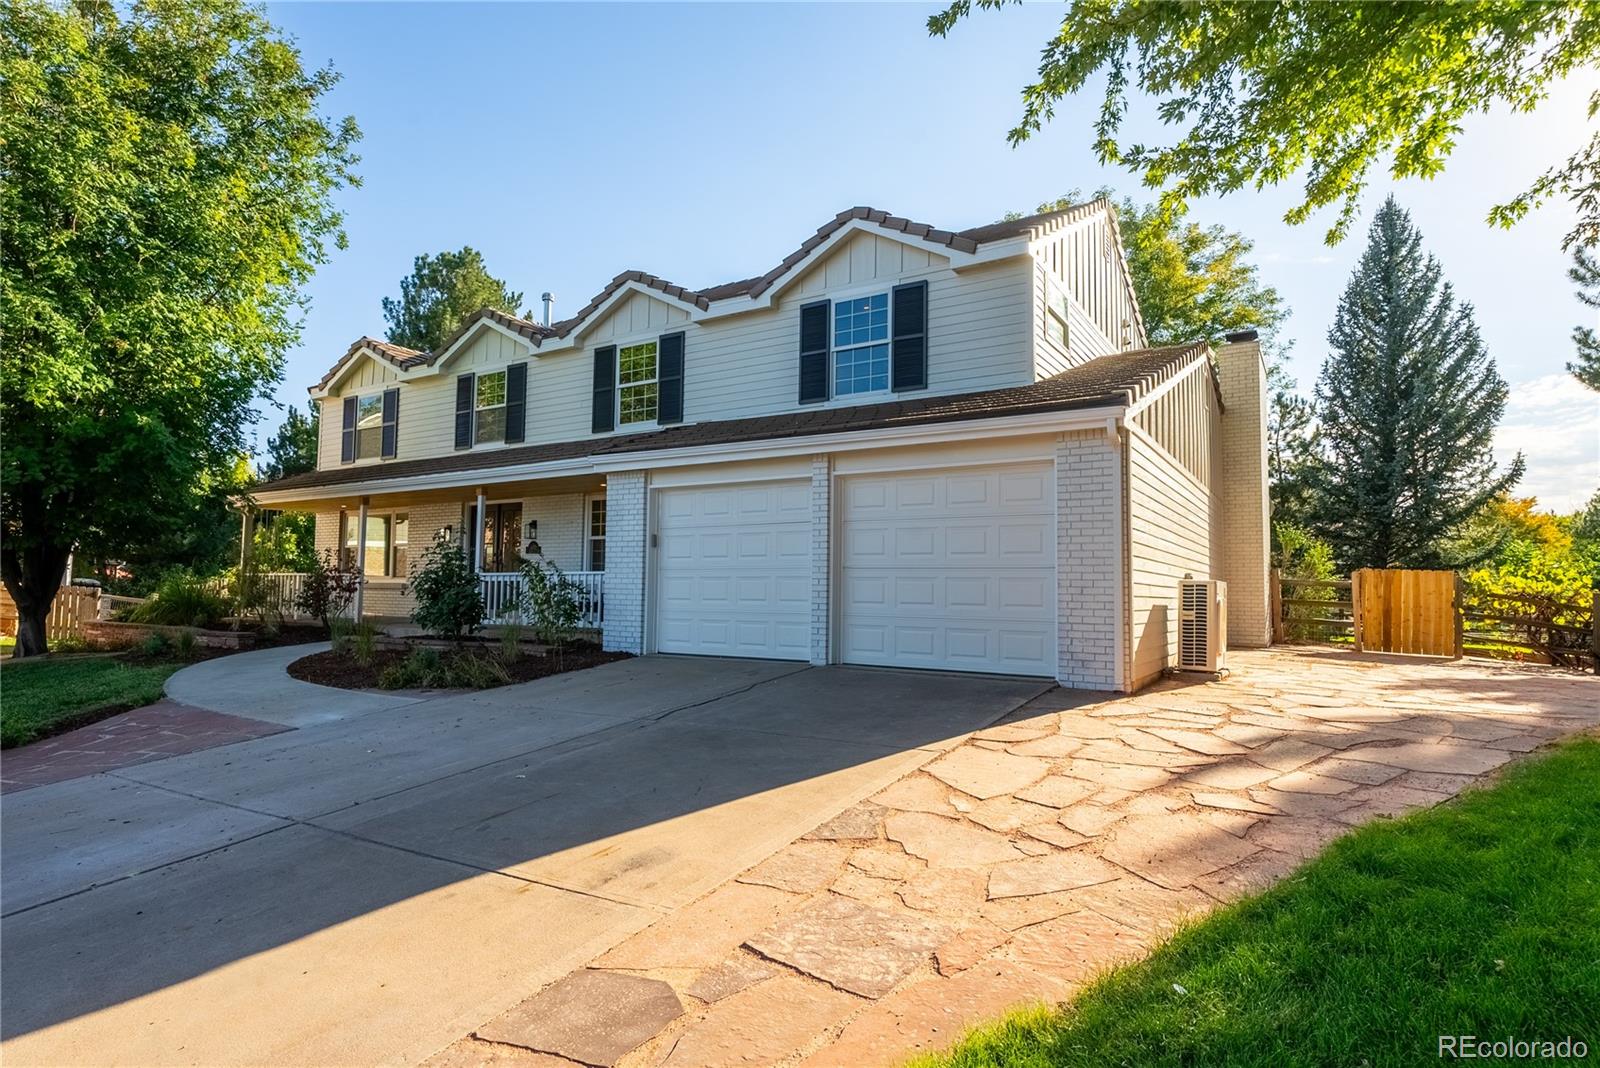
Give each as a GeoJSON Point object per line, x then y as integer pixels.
{"type": "Point", "coordinates": [626, 523]}
{"type": "Point", "coordinates": [1245, 512]}
{"type": "Point", "coordinates": [562, 527]}
{"type": "Point", "coordinates": [821, 535]}
{"type": "Point", "coordinates": [1089, 565]}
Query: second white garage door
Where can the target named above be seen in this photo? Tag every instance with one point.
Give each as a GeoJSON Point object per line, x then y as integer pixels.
{"type": "Point", "coordinates": [733, 570]}
{"type": "Point", "coordinates": [951, 569]}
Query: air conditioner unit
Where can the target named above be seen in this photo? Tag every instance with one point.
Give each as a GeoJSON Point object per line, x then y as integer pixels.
{"type": "Point", "coordinates": [1202, 625]}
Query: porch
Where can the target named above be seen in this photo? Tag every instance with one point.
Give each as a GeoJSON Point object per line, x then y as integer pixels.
{"type": "Point", "coordinates": [557, 522]}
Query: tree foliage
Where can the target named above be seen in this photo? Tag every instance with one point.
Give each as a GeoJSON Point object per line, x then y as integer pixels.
{"type": "Point", "coordinates": [1585, 273]}
{"type": "Point", "coordinates": [1407, 404]}
{"type": "Point", "coordinates": [292, 450]}
{"type": "Point", "coordinates": [167, 190]}
{"type": "Point", "coordinates": [1261, 93]}
{"type": "Point", "coordinates": [329, 588]}
{"type": "Point", "coordinates": [441, 291]}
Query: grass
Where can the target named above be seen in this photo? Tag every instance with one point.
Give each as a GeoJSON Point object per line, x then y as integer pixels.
{"type": "Point", "coordinates": [1480, 917]}
{"type": "Point", "coordinates": [44, 696]}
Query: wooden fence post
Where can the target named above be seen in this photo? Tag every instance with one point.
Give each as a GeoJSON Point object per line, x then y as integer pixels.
{"type": "Point", "coordinates": [1277, 606]}
{"type": "Point", "coordinates": [1594, 630]}
{"type": "Point", "coordinates": [1460, 608]}
{"type": "Point", "coordinates": [1355, 607]}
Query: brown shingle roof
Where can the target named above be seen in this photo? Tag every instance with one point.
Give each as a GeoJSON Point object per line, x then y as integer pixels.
{"type": "Point", "coordinates": [398, 355]}
{"type": "Point", "coordinates": [1118, 379]}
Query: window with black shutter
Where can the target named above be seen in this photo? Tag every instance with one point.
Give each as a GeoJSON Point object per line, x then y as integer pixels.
{"type": "Point", "coordinates": [516, 402]}
{"type": "Point", "coordinates": [909, 364]}
{"type": "Point", "coordinates": [604, 416]}
{"type": "Point", "coordinates": [347, 433]}
{"type": "Point", "coordinates": [670, 379]}
{"type": "Point", "coordinates": [389, 436]}
{"type": "Point", "coordinates": [814, 352]}
{"type": "Point", "coordinates": [465, 394]}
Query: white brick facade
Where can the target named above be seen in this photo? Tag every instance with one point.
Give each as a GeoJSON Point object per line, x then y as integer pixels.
{"type": "Point", "coordinates": [1245, 534]}
{"type": "Point", "coordinates": [1088, 560]}
{"type": "Point", "coordinates": [627, 522]}
{"type": "Point", "coordinates": [821, 560]}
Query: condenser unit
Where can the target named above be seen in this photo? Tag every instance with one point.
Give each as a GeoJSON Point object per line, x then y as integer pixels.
{"type": "Point", "coordinates": [1202, 625]}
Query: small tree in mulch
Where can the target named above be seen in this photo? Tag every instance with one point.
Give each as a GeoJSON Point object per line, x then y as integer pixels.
{"type": "Point", "coordinates": [552, 602]}
{"type": "Point", "coordinates": [448, 595]}
{"type": "Point", "coordinates": [328, 589]}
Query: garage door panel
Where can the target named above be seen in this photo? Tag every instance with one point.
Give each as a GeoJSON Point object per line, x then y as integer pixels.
{"type": "Point", "coordinates": [950, 570]}
{"type": "Point", "coordinates": [734, 570]}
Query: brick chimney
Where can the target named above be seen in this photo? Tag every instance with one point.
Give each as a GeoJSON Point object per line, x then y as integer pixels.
{"type": "Point", "coordinates": [1246, 520]}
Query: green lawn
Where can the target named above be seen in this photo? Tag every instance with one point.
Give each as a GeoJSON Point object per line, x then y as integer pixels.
{"type": "Point", "coordinates": [1480, 917]}
{"type": "Point", "coordinates": [44, 696]}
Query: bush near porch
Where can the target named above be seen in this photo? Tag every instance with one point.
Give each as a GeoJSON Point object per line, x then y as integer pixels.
{"type": "Point", "coordinates": [1480, 917]}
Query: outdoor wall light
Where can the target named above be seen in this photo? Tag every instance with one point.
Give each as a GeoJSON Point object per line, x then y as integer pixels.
{"type": "Point", "coordinates": [533, 539]}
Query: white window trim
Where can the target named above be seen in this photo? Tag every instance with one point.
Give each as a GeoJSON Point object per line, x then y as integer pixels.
{"type": "Point", "coordinates": [643, 424]}
{"type": "Point", "coordinates": [378, 396]}
{"type": "Point", "coordinates": [351, 518]}
{"type": "Point", "coordinates": [856, 293]}
{"type": "Point", "coordinates": [588, 528]}
{"type": "Point", "coordinates": [477, 381]}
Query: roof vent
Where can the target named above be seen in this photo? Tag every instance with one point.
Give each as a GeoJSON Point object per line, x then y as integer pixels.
{"type": "Point", "coordinates": [549, 302]}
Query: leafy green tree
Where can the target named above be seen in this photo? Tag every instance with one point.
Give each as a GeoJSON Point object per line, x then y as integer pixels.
{"type": "Point", "coordinates": [1585, 272]}
{"type": "Point", "coordinates": [441, 291]}
{"type": "Point", "coordinates": [293, 449]}
{"type": "Point", "coordinates": [168, 189]}
{"type": "Point", "coordinates": [1407, 402]}
{"type": "Point", "coordinates": [1265, 92]}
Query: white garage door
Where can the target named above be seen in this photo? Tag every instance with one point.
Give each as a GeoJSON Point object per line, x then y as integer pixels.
{"type": "Point", "coordinates": [733, 570]}
{"type": "Point", "coordinates": [952, 569]}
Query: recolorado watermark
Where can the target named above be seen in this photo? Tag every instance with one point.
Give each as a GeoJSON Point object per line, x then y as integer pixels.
{"type": "Point", "coordinates": [1471, 1048]}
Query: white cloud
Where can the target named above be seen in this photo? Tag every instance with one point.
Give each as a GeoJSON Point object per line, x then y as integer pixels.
{"type": "Point", "coordinates": [1555, 423]}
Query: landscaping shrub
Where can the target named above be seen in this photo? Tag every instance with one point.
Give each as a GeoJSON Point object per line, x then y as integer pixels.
{"type": "Point", "coordinates": [469, 671]}
{"type": "Point", "coordinates": [182, 599]}
{"type": "Point", "coordinates": [510, 639]}
{"type": "Point", "coordinates": [328, 589]}
{"type": "Point", "coordinates": [552, 602]}
{"type": "Point", "coordinates": [186, 644]}
{"type": "Point", "coordinates": [421, 670]}
{"type": "Point", "coordinates": [153, 645]}
{"type": "Point", "coordinates": [363, 642]}
{"type": "Point", "coordinates": [428, 669]}
{"type": "Point", "coordinates": [449, 601]}
{"type": "Point", "coordinates": [339, 634]}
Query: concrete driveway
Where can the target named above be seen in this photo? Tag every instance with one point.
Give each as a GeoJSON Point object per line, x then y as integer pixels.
{"type": "Point", "coordinates": [365, 888]}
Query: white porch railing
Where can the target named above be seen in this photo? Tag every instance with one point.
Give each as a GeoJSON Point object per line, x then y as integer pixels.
{"type": "Point", "coordinates": [502, 590]}
{"type": "Point", "coordinates": [283, 591]}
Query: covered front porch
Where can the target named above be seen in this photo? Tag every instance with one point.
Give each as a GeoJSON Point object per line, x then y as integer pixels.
{"type": "Point", "coordinates": [559, 522]}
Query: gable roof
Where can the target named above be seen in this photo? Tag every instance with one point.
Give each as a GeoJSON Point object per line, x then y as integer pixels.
{"type": "Point", "coordinates": [398, 355]}
{"type": "Point", "coordinates": [1120, 379]}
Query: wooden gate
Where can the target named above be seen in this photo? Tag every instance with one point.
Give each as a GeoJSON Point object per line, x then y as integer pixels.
{"type": "Point", "coordinates": [1398, 611]}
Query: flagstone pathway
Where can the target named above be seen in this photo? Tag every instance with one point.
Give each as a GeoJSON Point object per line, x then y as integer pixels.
{"type": "Point", "coordinates": [1016, 866]}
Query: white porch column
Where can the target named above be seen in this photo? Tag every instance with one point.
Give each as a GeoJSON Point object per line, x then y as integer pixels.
{"type": "Point", "coordinates": [477, 534]}
{"type": "Point", "coordinates": [247, 532]}
{"type": "Point", "coordinates": [361, 556]}
{"type": "Point", "coordinates": [627, 542]}
{"type": "Point", "coordinates": [821, 543]}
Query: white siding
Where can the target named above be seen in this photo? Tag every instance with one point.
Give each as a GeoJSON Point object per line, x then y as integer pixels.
{"type": "Point", "coordinates": [1172, 525]}
{"type": "Point", "coordinates": [1081, 269]}
{"type": "Point", "coordinates": [980, 336]}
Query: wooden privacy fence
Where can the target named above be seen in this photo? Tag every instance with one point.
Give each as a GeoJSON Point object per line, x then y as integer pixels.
{"type": "Point", "coordinates": [1403, 611]}
{"type": "Point", "coordinates": [1433, 613]}
{"type": "Point", "coordinates": [73, 606]}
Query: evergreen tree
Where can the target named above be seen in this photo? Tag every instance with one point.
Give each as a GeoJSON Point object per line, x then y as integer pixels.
{"type": "Point", "coordinates": [1407, 404]}
{"type": "Point", "coordinates": [441, 291]}
{"type": "Point", "coordinates": [1585, 271]}
{"type": "Point", "coordinates": [293, 449]}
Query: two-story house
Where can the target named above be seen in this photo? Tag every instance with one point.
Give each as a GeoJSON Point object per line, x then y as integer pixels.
{"type": "Point", "coordinates": [901, 446]}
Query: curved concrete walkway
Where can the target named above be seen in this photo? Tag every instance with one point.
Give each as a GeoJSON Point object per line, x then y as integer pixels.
{"type": "Point", "coordinates": [257, 684]}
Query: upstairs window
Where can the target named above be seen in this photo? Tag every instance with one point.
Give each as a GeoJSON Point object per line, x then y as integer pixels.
{"type": "Point", "coordinates": [369, 426]}
{"type": "Point", "coordinates": [861, 345]}
{"type": "Point", "coordinates": [489, 412]}
{"type": "Point", "coordinates": [638, 390]}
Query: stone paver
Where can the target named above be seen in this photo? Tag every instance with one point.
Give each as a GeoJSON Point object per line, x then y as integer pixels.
{"type": "Point", "coordinates": [1033, 855]}
{"type": "Point", "coordinates": [154, 732]}
{"type": "Point", "coordinates": [591, 1016]}
{"type": "Point", "coordinates": [853, 946]}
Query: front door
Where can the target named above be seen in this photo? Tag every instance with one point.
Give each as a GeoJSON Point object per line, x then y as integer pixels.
{"type": "Point", "coordinates": [502, 535]}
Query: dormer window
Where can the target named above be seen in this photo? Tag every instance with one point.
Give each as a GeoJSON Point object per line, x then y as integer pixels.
{"type": "Point", "coordinates": [489, 412]}
{"type": "Point", "coordinates": [638, 389]}
{"type": "Point", "coordinates": [861, 345]}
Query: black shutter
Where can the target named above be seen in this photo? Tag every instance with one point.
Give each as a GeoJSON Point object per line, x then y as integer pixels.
{"type": "Point", "coordinates": [605, 390]}
{"type": "Point", "coordinates": [669, 373]}
{"type": "Point", "coordinates": [391, 424]}
{"type": "Point", "coordinates": [516, 402]}
{"type": "Point", "coordinates": [466, 395]}
{"type": "Point", "coordinates": [908, 368]}
{"type": "Point", "coordinates": [814, 352]}
{"type": "Point", "coordinates": [347, 449]}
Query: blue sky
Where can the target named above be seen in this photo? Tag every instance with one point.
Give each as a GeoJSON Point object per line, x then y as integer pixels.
{"type": "Point", "coordinates": [703, 142]}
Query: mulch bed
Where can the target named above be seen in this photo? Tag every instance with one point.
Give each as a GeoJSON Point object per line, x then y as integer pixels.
{"type": "Point", "coordinates": [341, 669]}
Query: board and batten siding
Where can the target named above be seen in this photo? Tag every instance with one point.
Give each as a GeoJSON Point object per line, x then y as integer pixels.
{"type": "Point", "coordinates": [1172, 524]}
{"type": "Point", "coordinates": [980, 336]}
{"type": "Point", "coordinates": [1087, 261]}
{"type": "Point", "coordinates": [1085, 340]}
{"type": "Point", "coordinates": [369, 376]}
